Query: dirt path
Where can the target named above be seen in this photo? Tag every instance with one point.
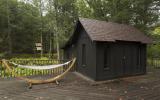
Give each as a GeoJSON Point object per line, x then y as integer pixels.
{"type": "Point", "coordinates": [72, 87]}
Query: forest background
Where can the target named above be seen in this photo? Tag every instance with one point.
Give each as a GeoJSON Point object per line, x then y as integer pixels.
{"type": "Point", "coordinates": [51, 22]}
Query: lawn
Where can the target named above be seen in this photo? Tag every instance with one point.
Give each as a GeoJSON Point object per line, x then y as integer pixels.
{"type": "Point", "coordinates": [4, 73]}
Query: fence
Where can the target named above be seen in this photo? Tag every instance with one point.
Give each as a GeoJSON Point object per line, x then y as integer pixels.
{"type": "Point", "coordinates": [153, 62]}
{"type": "Point", "coordinates": [4, 73]}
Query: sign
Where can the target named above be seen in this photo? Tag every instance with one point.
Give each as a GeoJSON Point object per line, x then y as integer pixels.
{"type": "Point", "coordinates": [38, 44]}
{"type": "Point", "coordinates": [39, 48]}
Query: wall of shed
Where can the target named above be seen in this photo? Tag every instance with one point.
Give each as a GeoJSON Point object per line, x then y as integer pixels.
{"type": "Point", "coordinates": [90, 68]}
{"type": "Point", "coordinates": [76, 51]}
{"type": "Point", "coordinates": [117, 66]}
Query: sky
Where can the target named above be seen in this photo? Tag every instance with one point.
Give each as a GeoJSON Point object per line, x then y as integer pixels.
{"type": "Point", "coordinates": [31, 2]}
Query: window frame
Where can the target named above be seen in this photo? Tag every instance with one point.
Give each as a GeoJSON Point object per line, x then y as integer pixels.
{"type": "Point", "coordinates": [106, 57]}
{"type": "Point", "coordinates": [83, 55]}
{"type": "Point", "coordinates": [138, 57]}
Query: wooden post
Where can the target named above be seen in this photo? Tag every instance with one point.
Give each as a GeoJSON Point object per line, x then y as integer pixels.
{"type": "Point", "coordinates": [30, 85]}
{"type": "Point", "coordinates": [57, 82]}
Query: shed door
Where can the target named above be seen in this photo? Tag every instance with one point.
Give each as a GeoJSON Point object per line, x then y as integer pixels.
{"type": "Point", "coordinates": [129, 59]}
{"type": "Point", "coordinates": [117, 60]}
{"type": "Point", "coordinates": [125, 59]}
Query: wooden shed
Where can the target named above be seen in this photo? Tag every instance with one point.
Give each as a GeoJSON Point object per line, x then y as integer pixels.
{"type": "Point", "coordinates": [107, 50]}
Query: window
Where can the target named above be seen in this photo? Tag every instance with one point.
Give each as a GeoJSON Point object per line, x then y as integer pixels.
{"type": "Point", "coordinates": [138, 56]}
{"type": "Point", "coordinates": [106, 57]}
{"type": "Point", "coordinates": [83, 54]}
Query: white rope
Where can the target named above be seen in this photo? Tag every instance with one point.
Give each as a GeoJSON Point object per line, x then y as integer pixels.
{"type": "Point", "coordinates": [40, 67]}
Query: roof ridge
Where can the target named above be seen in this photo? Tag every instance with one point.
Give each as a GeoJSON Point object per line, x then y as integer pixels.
{"type": "Point", "coordinates": [125, 24]}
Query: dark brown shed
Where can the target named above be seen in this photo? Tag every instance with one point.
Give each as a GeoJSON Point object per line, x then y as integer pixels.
{"type": "Point", "coordinates": [106, 50]}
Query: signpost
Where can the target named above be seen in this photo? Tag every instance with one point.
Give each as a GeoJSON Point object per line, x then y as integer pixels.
{"type": "Point", "coordinates": [39, 47]}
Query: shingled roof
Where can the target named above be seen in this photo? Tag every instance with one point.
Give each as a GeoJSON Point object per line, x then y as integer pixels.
{"type": "Point", "coordinates": [110, 31]}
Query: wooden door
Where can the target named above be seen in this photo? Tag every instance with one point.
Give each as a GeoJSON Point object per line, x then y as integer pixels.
{"type": "Point", "coordinates": [124, 59]}
{"type": "Point", "coordinates": [117, 60]}
{"type": "Point", "coordinates": [130, 58]}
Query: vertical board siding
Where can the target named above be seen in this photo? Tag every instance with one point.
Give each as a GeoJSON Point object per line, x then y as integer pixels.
{"type": "Point", "coordinates": [89, 69]}
{"type": "Point", "coordinates": [123, 60]}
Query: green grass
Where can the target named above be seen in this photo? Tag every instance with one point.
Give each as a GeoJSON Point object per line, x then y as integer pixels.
{"type": "Point", "coordinates": [28, 72]}
{"type": "Point", "coordinates": [155, 63]}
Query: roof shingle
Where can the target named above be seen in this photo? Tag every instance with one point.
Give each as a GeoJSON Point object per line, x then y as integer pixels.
{"type": "Point", "coordinates": [110, 31]}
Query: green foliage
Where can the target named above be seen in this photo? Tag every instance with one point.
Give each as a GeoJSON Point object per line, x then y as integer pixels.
{"type": "Point", "coordinates": [154, 49]}
{"type": "Point", "coordinates": [140, 13]}
{"type": "Point", "coordinates": [83, 9]}
{"type": "Point", "coordinates": [157, 31]}
{"type": "Point", "coordinates": [23, 24]}
{"type": "Point", "coordinates": [26, 21]}
{"type": "Point", "coordinates": [29, 72]}
{"type": "Point", "coordinates": [29, 58]}
{"type": "Point", "coordinates": [66, 16]}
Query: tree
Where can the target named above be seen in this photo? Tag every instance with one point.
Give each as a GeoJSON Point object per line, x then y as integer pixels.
{"type": "Point", "coordinates": [39, 4]}
{"type": "Point", "coordinates": [23, 22]}
{"type": "Point", "coordinates": [140, 13]}
{"type": "Point", "coordinates": [83, 9]}
{"type": "Point", "coordinates": [62, 15]}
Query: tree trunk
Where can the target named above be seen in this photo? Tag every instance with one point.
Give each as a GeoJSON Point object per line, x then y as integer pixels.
{"type": "Point", "coordinates": [50, 45]}
{"type": "Point", "coordinates": [41, 12]}
{"type": "Point", "coordinates": [9, 30]}
{"type": "Point", "coordinates": [57, 44]}
{"type": "Point", "coordinates": [57, 40]}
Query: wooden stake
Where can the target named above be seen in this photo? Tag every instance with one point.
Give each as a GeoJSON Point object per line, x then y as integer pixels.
{"type": "Point", "coordinates": [57, 82]}
{"type": "Point", "coordinates": [30, 86]}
